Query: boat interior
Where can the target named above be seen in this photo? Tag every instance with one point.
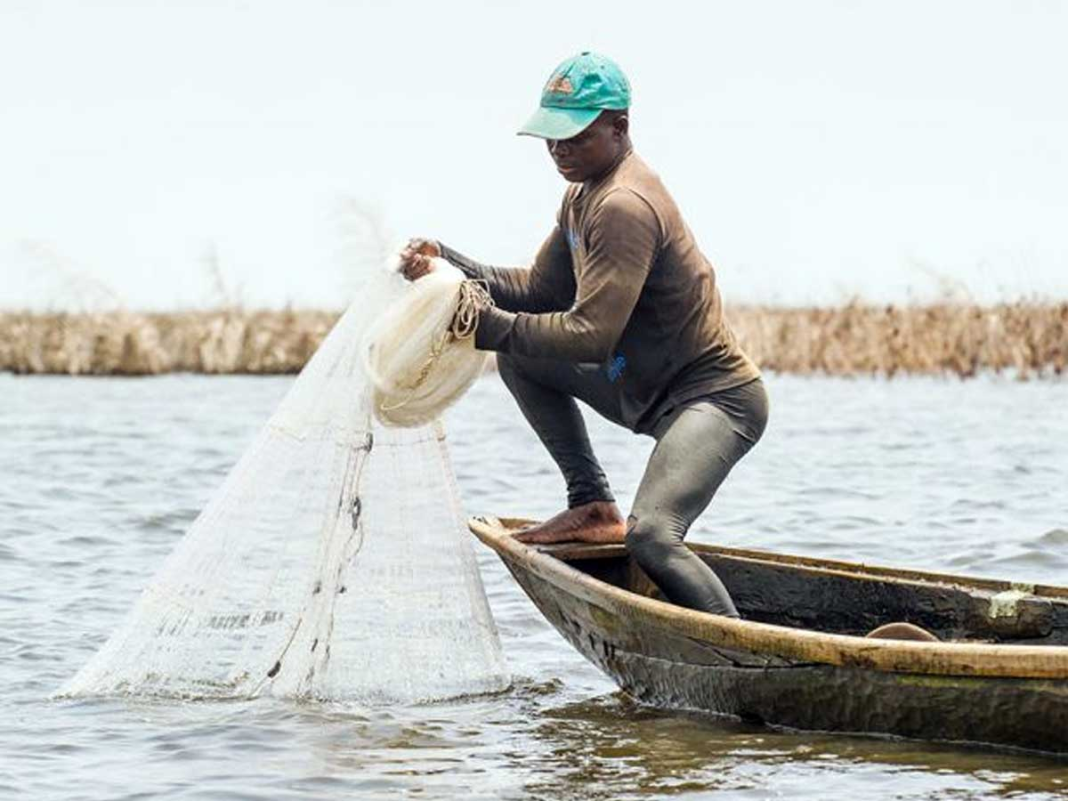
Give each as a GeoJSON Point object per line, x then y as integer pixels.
{"type": "Point", "coordinates": [854, 599]}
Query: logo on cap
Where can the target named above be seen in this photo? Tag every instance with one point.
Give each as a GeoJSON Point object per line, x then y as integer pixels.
{"type": "Point", "coordinates": [560, 85]}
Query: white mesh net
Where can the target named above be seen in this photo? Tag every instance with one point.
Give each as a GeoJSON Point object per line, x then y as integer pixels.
{"type": "Point", "coordinates": [332, 563]}
{"type": "Point", "coordinates": [420, 354]}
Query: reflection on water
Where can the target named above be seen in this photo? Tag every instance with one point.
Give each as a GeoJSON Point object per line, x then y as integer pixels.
{"type": "Point", "coordinates": [101, 477]}
{"type": "Point", "coordinates": [602, 740]}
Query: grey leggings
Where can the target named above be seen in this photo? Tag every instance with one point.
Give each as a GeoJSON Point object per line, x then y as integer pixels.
{"type": "Point", "coordinates": [697, 444]}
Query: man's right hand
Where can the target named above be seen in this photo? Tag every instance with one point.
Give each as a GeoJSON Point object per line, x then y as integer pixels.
{"type": "Point", "coordinates": [415, 258]}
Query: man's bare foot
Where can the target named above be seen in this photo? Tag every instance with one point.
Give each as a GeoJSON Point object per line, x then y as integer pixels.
{"type": "Point", "coordinates": [598, 522]}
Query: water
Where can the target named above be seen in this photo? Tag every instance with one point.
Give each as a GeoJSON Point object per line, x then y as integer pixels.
{"type": "Point", "coordinates": [100, 477]}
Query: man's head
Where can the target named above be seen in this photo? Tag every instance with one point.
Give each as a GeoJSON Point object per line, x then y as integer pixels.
{"type": "Point", "coordinates": [595, 150]}
{"type": "Point", "coordinates": [583, 116]}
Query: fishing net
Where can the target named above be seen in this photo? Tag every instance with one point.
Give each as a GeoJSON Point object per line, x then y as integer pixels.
{"type": "Point", "coordinates": [420, 354]}
{"type": "Point", "coordinates": [332, 563]}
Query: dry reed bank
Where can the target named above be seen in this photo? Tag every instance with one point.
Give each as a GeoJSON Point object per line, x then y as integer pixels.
{"type": "Point", "coordinates": [124, 343]}
{"type": "Point", "coordinates": [1028, 339]}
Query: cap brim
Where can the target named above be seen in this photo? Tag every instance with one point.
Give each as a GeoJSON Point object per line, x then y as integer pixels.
{"type": "Point", "coordinates": [559, 123]}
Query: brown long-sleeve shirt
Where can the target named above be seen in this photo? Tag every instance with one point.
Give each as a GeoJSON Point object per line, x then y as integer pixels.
{"type": "Point", "coordinates": [620, 282]}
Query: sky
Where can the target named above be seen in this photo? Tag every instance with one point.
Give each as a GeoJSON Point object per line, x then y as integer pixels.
{"type": "Point", "coordinates": [162, 155]}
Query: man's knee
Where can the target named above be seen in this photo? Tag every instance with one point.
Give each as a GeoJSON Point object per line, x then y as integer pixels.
{"type": "Point", "coordinates": [518, 372]}
{"type": "Point", "coordinates": [505, 366]}
{"type": "Point", "coordinates": [511, 368]}
{"type": "Point", "coordinates": [649, 539]}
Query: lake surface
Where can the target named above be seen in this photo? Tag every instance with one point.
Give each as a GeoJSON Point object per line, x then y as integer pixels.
{"type": "Point", "coordinates": [99, 478]}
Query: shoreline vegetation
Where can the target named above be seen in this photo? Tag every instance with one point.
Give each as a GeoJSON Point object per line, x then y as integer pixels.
{"type": "Point", "coordinates": [1025, 339]}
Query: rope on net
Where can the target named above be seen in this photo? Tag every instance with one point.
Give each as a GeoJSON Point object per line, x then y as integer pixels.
{"type": "Point", "coordinates": [473, 297]}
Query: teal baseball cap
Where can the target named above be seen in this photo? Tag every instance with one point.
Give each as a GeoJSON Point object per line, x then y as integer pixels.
{"type": "Point", "coordinates": [577, 92]}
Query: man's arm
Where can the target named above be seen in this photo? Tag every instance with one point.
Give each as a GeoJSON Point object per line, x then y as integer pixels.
{"type": "Point", "coordinates": [623, 239]}
{"type": "Point", "coordinates": [548, 284]}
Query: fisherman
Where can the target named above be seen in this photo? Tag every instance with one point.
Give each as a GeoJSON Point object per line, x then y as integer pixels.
{"type": "Point", "coordinates": [621, 311]}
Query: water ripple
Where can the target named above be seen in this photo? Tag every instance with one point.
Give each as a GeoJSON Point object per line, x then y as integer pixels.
{"type": "Point", "coordinates": [90, 507]}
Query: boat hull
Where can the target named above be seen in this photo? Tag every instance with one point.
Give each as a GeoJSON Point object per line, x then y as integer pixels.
{"type": "Point", "coordinates": [669, 668]}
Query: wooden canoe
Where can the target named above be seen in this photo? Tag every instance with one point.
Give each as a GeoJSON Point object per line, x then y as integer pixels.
{"type": "Point", "coordinates": [798, 658]}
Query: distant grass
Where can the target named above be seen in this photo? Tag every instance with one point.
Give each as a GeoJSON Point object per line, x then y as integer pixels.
{"type": "Point", "coordinates": [124, 343]}
{"type": "Point", "coordinates": [1027, 339]}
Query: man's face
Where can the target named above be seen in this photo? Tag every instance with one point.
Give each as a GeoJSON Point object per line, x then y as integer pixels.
{"type": "Point", "coordinates": [591, 152]}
